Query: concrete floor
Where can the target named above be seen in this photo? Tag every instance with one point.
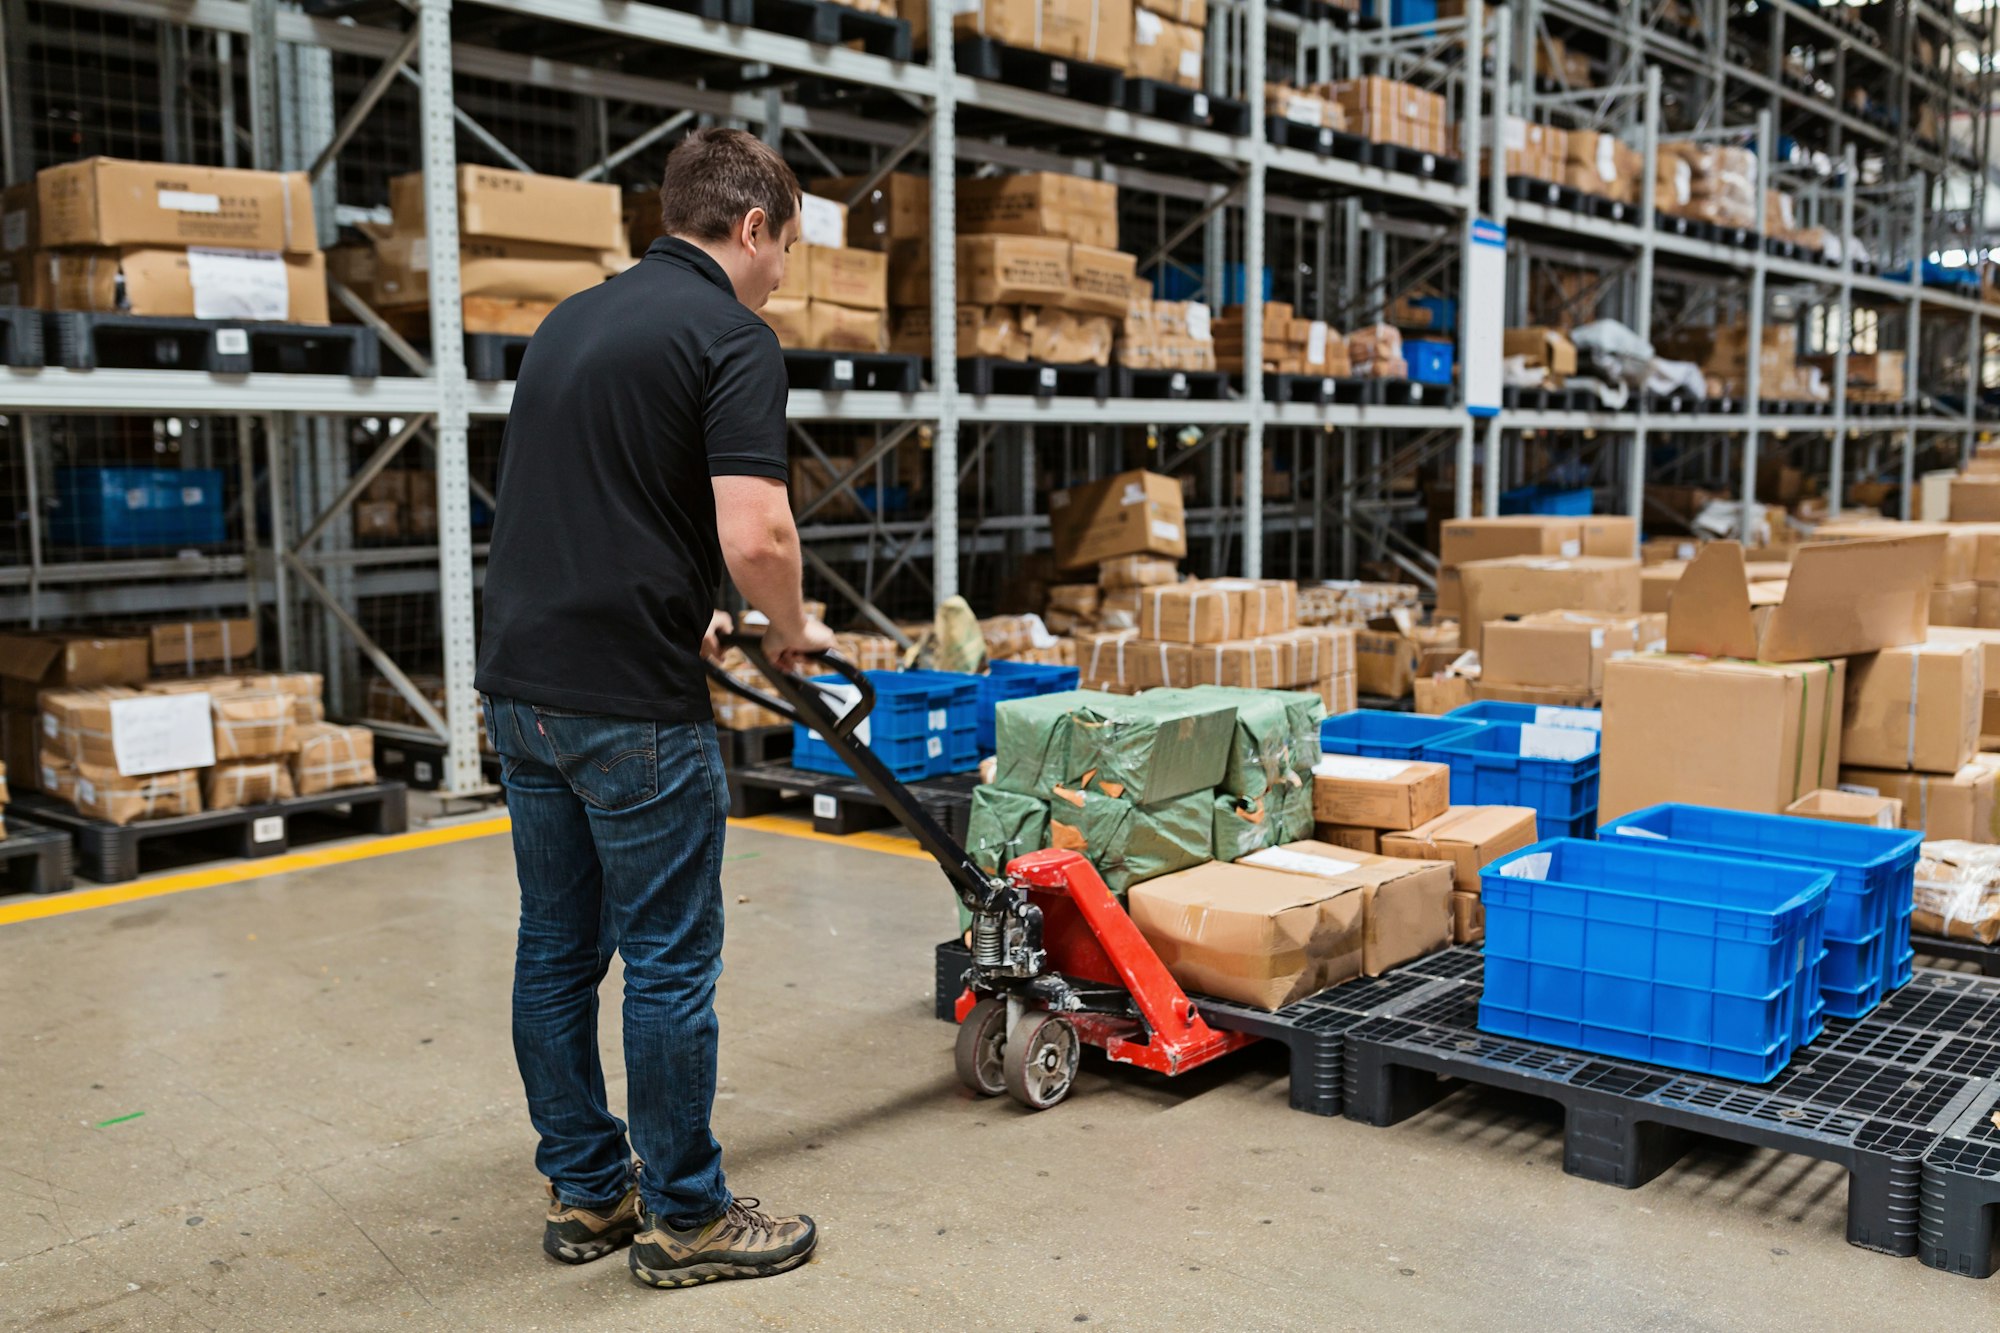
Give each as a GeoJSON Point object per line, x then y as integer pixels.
{"type": "Point", "coordinates": [333, 1138]}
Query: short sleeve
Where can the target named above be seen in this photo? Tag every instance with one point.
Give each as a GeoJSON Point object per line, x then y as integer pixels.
{"type": "Point", "coordinates": [743, 404]}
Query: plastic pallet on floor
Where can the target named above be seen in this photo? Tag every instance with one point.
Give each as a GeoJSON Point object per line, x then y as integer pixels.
{"type": "Point", "coordinates": [419, 765]}
{"type": "Point", "coordinates": [1187, 106]}
{"type": "Point", "coordinates": [827, 23]}
{"type": "Point", "coordinates": [1957, 1230]}
{"type": "Point", "coordinates": [34, 859]}
{"type": "Point", "coordinates": [884, 372]}
{"type": "Point", "coordinates": [755, 745]}
{"type": "Point", "coordinates": [840, 804]}
{"type": "Point", "coordinates": [1873, 1095]}
{"type": "Point", "coordinates": [1986, 956]}
{"type": "Point", "coordinates": [984, 58]}
{"type": "Point", "coordinates": [1311, 1029]}
{"type": "Point", "coordinates": [110, 853]}
{"type": "Point", "coordinates": [21, 342]}
{"type": "Point", "coordinates": [89, 340]}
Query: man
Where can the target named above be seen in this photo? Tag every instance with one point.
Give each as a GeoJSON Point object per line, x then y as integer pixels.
{"type": "Point", "coordinates": [644, 452]}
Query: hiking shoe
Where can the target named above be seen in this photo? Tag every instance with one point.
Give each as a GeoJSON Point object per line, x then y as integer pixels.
{"type": "Point", "coordinates": [577, 1235]}
{"type": "Point", "coordinates": [743, 1242]}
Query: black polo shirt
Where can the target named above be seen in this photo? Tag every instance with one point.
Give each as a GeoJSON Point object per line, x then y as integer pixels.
{"type": "Point", "coordinates": [605, 562]}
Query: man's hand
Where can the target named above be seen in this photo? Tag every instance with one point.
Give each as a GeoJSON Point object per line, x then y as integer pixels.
{"type": "Point", "coordinates": [711, 643]}
{"type": "Point", "coordinates": [789, 652]}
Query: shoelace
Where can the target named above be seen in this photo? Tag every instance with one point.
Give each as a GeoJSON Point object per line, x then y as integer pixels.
{"type": "Point", "coordinates": [744, 1213]}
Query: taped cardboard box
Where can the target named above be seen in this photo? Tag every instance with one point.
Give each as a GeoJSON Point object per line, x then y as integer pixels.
{"type": "Point", "coordinates": [1340, 693]}
{"type": "Point", "coordinates": [502, 205]}
{"type": "Point", "coordinates": [1064, 337]}
{"type": "Point", "coordinates": [503, 274]}
{"type": "Point", "coordinates": [995, 331]}
{"type": "Point", "coordinates": [1957, 805]}
{"type": "Point", "coordinates": [1958, 891]}
{"type": "Point", "coordinates": [194, 645]}
{"type": "Point", "coordinates": [858, 279]}
{"type": "Point", "coordinates": [1165, 50]}
{"type": "Point", "coordinates": [1011, 270]}
{"type": "Point", "coordinates": [1520, 585]}
{"type": "Point", "coordinates": [77, 724]}
{"type": "Point", "coordinates": [1129, 843]}
{"type": "Point", "coordinates": [1975, 499]}
{"type": "Point", "coordinates": [1100, 280]}
{"type": "Point", "coordinates": [252, 724]}
{"type": "Point", "coordinates": [1564, 650]}
{"type": "Point", "coordinates": [1137, 571]}
{"type": "Point", "coordinates": [1257, 936]}
{"type": "Point", "coordinates": [1379, 793]}
{"type": "Point", "coordinates": [1042, 203]}
{"type": "Point", "coordinates": [1842, 598]}
{"type": "Point", "coordinates": [1442, 692]}
{"type": "Point", "coordinates": [237, 783]}
{"type": "Point", "coordinates": [189, 284]}
{"type": "Point", "coordinates": [102, 201]}
{"type": "Point", "coordinates": [329, 757]}
{"type": "Point", "coordinates": [1916, 707]}
{"type": "Point", "coordinates": [1846, 807]}
{"type": "Point", "coordinates": [1199, 611]}
{"type": "Point", "coordinates": [1469, 837]}
{"type": "Point", "coordinates": [1463, 540]}
{"type": "Point", "coordinates": [1133, 513]}
{"type": "Point", "coordinates": [1709, 731]}
{"type": "Point", "coordinates": [1352, 837]}
{"type": "Point", "coordinates": [102, 793]}
{"type": "Point", "coordinates": [1386, 661]}
{"type": "Point", "coordinates": [1406, 904]}
{"type": "Point", "coordinates": [32, 662]}
{"type": "Point", "coordinates": [897, 207]}
{"type": "Point", "coordinates": [1542, 696]}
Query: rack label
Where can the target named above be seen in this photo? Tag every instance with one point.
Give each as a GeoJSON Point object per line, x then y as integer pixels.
{"type": "Point", "coordinates": [843, 370]}
{"type": "Point", "coordinates": [825, 807]}
{"type": "Point", "coordinates": [271, 828]}
{"type": "Point", "coordinates": [232, 342]}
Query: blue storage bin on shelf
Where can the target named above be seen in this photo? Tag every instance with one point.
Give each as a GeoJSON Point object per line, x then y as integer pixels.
{"type": "Point", "coordinates": [1017, 680]}
{"type": "Point", "coordinates": [1695, 962]}
{"type": "Point", "coordinates": [924, 725]}
{"type": "Point", "coordinates": [1557, 777]}
{"type": "Point", "coordinates": [1548, 715]}
{"type": "Point", "coordinates": [1546, 500]}
{"type": "Point", "coordinates": [1867, 911]}
{"type": "Point", "coordinates": [1429, 361]}
{"type": "Point", "coordinates": [137, 506]}
{"type": "Point", "coordinates": [1375, 734]}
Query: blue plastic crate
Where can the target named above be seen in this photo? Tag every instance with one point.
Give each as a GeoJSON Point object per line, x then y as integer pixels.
{"type": "Point", "coordinates": [1429, 361]}
{"type": "Point", "coordinates": [955, 702]}
{"type": "Point", "coordinates": [1488, 768]}
{"type": "Point", "coordinates": [1017, 680]}
{"type": "Point", "coordinates": [1874, 873]}
{"type": "Point", "coordinates": [1696, 962]}
{"type": "Point", "coordinates": [137, 506]}
{"type": "Point", "coordinates": [1547, 500]}
{"type": "Point", "coordinates": [1548, 715]}
{"type": "Point", "coordinates": [920, 727]}
{"type": "Point", "coordinates": [1381, 735]}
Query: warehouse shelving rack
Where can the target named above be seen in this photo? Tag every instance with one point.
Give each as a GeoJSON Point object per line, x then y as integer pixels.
{"type": "Point", "coordinates": [1236, 199]}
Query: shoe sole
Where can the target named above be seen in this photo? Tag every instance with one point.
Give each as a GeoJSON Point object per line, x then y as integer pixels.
{"type": "Point", "coordinates": [587, 1251]}
{"type": "Point", "coordinates": [695, 1275]}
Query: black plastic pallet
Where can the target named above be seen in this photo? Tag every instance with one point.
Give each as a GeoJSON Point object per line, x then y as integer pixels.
{"type": "Point", "coordinates": [21, 340]}
{"type": "Point", "coordinates": [1675, 226]}
{"type": "Point", "coordinates": [493, 357]}
{"type": "Point", "coordinates": [827, 23]}
{"type": "Point", "coordinates": [835, 372]}
{"type": "Point", "coordinates": [90, 340]}
{"type": "Point", "coordinates": [1317, 140]}
{"type": "Point", "coordinates": [981, 375]}
{"type": "Point", "coordinates": [1958, 1220]}
{"type": "Point", "coordinates": [110, 853]}
{"type": "Point", "coordinates": [1187, 106]}
{"type": "Point", "coordinates": [1403, 393]}
{"type": "Point", "coordinates": [1203, 385]}
{"type": "Point", "coordinates": [755, 745]}
{"type": "Point", "coordinates": [1317, 390]}
{"type": "Point", "coordinates": [1312, 1029]}
{"type": "Point", "coordinates": [1873, 1096]}
{"type": "Point", "coordinates": [1416, 162]}
{"type": "Point", "coordinates": [419, 765]}
{"type": "Point", "coordinates": [34, 859]}
{"type": "Point", "coordinates": [1553, 194]}
{"type": "Point", "coordinates": [840, 804]}
{"type": "Point", "coordinates": [984, 58]}
{"type": "Point", "coordinates": [1986, 956]}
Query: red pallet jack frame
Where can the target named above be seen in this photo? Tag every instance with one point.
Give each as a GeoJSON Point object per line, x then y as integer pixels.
{"type": "Point", "coordinates": [1056, 962]}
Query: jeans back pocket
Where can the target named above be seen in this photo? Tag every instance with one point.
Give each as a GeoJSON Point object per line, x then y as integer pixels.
{"type": "Point", "coordinates": [611, 762]}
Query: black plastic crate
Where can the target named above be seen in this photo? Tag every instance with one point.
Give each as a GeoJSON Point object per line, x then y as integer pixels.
{"type": "Point", "coordinates": [90, 340]}
{"type": "Point", "coordinates": [984, 58]}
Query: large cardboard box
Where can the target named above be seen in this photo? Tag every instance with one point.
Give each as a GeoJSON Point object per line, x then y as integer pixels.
{"type": "Point", "coordinates": [1199, 611]}
{"type": "Point", "coordinates": [183, 646]}
{"type": "Point", "coordinates": [32, 662]}
{"type": "Point", "coordinates": [897, 208]}
{"type": "Point", "coordinates": [189, 284]}
{"type": "Point", "coordinates": [1041, 203]}
{"type": "Point", "coordinates": [1466, 539]}
{"type": "Point", "coordinates": [1614, 535]}
{"type": "Point", "coordinates": [1956, 805]}
{"type": "Point", "coordinates": [1710, 731]}
{"type": "Point", "coordinates": [505, 205]}
{"type": "Point", "coordinates": [491, 270]}
{"type": "Point", "coordinates": [1988, 642]}
{"type": "Point", "coordinates": [1133, 513]}
{"type": "Point", "coordinates": [1100, 280]}
{"type": "Point", "coordinates": [1564, 650]}
{"type": "Point", "coordinates": [1386, 661]}
{"type": "Point", "coordinates": [1520, 585]}
{"type": "Point", "coordinates": [1957, 604]}
{"type": "Point", "coordinates": [101, 201]}
{"type": "Point", "coordinates": [1379, 793]}
{"type": "Point", "coordinates": [1958, 558]}
{"type": "Point", "coordinates": [1353, 837]}
{"type": "Point", "coordinates": [1407, 904]}
{"type": "Point", "coordinates": [1257, 936]}
{"type": "Point", "coordinates": [1165, 50]}
{"type": "Point", "coordinates": [103, 793]}
{"type": "Point", "coordinates": [858, 279]}
{"type": "Point", "coordinates": [1916, 707]}
{"type": "Point", "coordinates": [1976, 499]}
{"type": "Point", "coordinates": [1543, 348]}
{"type": "Point", "coordinates": [1842, 598]}
{"type": "Point", "coordinates": [1468, 836]}
{"type": "Point", "coordinates": [1012, 270]}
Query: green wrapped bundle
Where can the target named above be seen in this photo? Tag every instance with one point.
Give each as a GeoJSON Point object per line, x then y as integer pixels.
{"type": "Point", "coordinates": [1002, 826]}
{"type": "Point", "coordinates": [1243, 826]}
{"type": "Point", "coordinates": [1033, 741]}
{"type": "Point", "coordinates": [1260, 753]}
{"type": "Point", "coordinates": [1289, 806]}
{"type": "Point", "coordinates": [1153, 747]}
{"type": "Point", "coordinates": [1307, 710]}
{"type": "Point", "coordinates": [1130, 843]}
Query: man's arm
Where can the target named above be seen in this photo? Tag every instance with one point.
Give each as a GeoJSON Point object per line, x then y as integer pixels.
{"type": "Point", "coordinates": [760, 544]}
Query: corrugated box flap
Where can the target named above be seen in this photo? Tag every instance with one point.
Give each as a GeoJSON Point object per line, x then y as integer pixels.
{"type": "Point", "coordinates": [27, 656]}
{"type": "Point", "coordinates": [1854, 597]}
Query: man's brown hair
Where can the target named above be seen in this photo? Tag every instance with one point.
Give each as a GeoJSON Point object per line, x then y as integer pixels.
{"type": "Point", "coordinates": [715, 176]}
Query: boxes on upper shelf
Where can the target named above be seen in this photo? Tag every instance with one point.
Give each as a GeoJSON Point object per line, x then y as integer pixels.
{"type": "Point", "coordinates": [1133, 513]}
{"type": "Point", "coordinates": [105, 202]}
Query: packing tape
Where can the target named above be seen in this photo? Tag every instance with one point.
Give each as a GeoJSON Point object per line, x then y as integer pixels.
{"type": "Point", "coordinates": [1910, 719]}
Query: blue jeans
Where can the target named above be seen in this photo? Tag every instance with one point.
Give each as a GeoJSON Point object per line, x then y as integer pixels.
{"type": "Point", "coordinates": [618, 827]}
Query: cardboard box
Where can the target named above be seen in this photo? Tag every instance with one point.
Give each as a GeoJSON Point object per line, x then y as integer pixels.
{"type": "Point", "coordinates": [1100, 280]}
{"type": "Point", "coordinates": [1916, 707]}
{"type": "Point", "coordinates": [330, 756]}
{"type": "Point", "coordinates": [1603, 165]}
{"type": "Point", "coordinates": [1064, 337]}
{"type": "Point", "coordinates": [180, 284]}
{"type": "Point", "coordinates": [505, 205]}
{"type": "Point", "coordinates": [858, 279]}
{"type": "Point", "coordinates": [1353, 837]}
{"type": "Point", "coordinates": [1988, 642]}
{"type": "Point", "coordinates": [1386, 662]}
{"type": "Point", "coordinates": [1959, 805]}
{"type": "Point", "coordinates": [839, 328]}
{"type": "Point", "coordinates": [1468, 918]}
{"type": "Point", "coordinates": [1407, 908]}
{"type": "Point", "coordinates": [1379, 793]}
{"type": "Point", "coordinates": [233, 785]}
{"type": "Point", "coordinates": [897, 208]}
{"type": "Point", "coordinates": [1846, 807]}
{"type": "Point", "coordinates": [1610, 535]}
{"type": "Point", "coordinates": [32, 662]}
{"type": "Point", "coordinates": [1468, 836]}
{"type": "Point", "coordinates": [1543, 696]}
{"type": "Point", "coordinates": [1165, 50]}
{"type": "Point", "coordinates": [1133, 513]}
{"type": "Point", "coordinates": [102, 201]}
{"type": "Point", "coordinates": [1042, 204]}
{"type": "Point", "coordinates": [1842, 598]}
{"type": "Point", "coordinates": [1439, 694]}
{"type": "Point", "coordinates": [1257, 936]}
{"type": "Point", "coordinates": [1958, 558]}
{"type": "Point", "coordinates": [1495, 589]}
{"type": "Point", "coordinates": [1012, 270]}
{"type": "Point", "coordinates": [252, 724]}
{"type": "Point", "coordinates": [1543, 348]}
{"type": "Point", "coordinates": [1709, 731]}
{"type": "Point", "coordinates": [1564, 650]}
{"type": "Point", "coordinates": [187, 645]}
{"type": "Point", "coordinates": [1955, 604]}
{"type": "Point", "coordinates": [1976, 499]}
{"type": "Point", "coordinates": [499, 271]}
{"type": "Point", "coordinates": [378, 520]}
{"type": "Point", "coordinates": [983, 330]}
{"type": "Point", "coordinates": [102, 793]}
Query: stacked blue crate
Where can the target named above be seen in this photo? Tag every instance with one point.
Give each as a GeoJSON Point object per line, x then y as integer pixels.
{"type": "Point", "coordinates": [1375, 734]}
{"type": "Point", "coordinates": [137, 506]}
{"type": "Point", "coordinates": [1551, 769]}
{"type": "Point", "coordinates": [924, 725]}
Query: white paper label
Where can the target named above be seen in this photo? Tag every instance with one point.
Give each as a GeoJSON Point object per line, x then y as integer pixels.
{"type": "Point", "coordinates": [1316, 343]}
{"type": "Point", "coordinates": [1632, 831]}
{"type": "Point", "coordinates": [939, 719]}
{"type": "Point", "coordinates": [1299, 863]}
{"type": "Point", "coordinates": [161, 733]}
{"type": "Point", "coordinates": [933, 747]}
{"type": "Point", "coordinates": [1197, 321]}
{"type": "Point", "coordinates": [1359, 769]}
{"type": "Point", "coordinates": [422, 771]}
{"type": "Point", "coordinates": [1190, 65]}
{"type": "Point", "coordinates": [49, 725]}
{"type": "Point", "coordinates": [821, 223]}
{"type": "Point", "coordinates": [1177, 382]}
{"type": "Point", "coordinates": [1201, 106]}
{"type": "Point", "coordinates": [1133, 494]}
{"type": "Point", "coordinates": [1607, 162]}
{"type": "Point", "coordinates": [1685, 551]}
{"type": "Point", "coordinates": [1165, 531]}
{"type": "Point", "coordinates": [1517, 134]}
{"type": "Point", "coordinates": [1572, 549]}
{"type": "Point", "coordinates": [190, 496]}
{"type": "Point", "coordinates": [1683, 182]}
{"type": "Point", "coordinates": [190, 201]}
{"type": "Point", "coordinates": [271, 828]}
{"type": "Point", "coordinates": [965, 6]}
{"type": "Point", "coordinates": [1048, 377]}
{"type": "Point", "coordinates": [86, 791]}
{"type": "Point", "coordinates": [14, 230]}
{"type": "Point", "coordinates": [843, 370]}
{"type": "Point", "coordinates": [239, 284]}
{"type": "Point", "coordinates": [1535, 865]}
{"type": "Point", "coordinates": [825, 807]}
{"type": "Point", "coordinates": [232, 342]}
{"type": "Point", "coordinates": [1577, 719]}
{"type": "Point", "coordinates": [1597, 637]}
{"type": "Point", "coordinates": [1565, 743]}
{"type": "Point", "coordinates": [1146, 31]}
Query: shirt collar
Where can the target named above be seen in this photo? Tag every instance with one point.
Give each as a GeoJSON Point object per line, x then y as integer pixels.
{"type": "Point", "coordinates": [677, 251]}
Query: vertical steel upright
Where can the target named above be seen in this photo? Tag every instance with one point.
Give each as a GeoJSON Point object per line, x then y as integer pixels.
{"type": "Point", "coordinates": [1475, 18]}
{"type": "Point", "coordinates": [1843, 335]}
{"type": "Point", "coordinates": [1753, 356]}
{"type": "Point", "coordinates": [944, 298]}
{"type": "Point", "coordinates": [1254, 53]}
{"type": "Point", "coordinates": [1642, 311]}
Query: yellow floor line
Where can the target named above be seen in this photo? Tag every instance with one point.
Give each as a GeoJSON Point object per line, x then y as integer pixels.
{"type": "Point", "coordinates": [238, 872]}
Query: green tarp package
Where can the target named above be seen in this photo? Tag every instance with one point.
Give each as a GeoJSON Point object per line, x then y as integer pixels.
{"type": "Point", "coordinates": [1243, 826]}
{"type": "Point", "coordinates": [1032, 741]}
{"type": "Point", "coordinates": [1260, 753]}
{"type": "Point", "coordinates": [1002, 826]}
{"type": "Point", "coordinates": [1290, 806]}
{"type": "Point", "coordinates": [1131, 843]}
{"type": "Point", "coordinates": [1307, 711]}
{"type": "Point", "coordinates": [1153, 747]}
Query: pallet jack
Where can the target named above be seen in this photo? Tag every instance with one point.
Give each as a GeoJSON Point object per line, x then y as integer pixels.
{"type": "Point", "coordinates": [1056, 962]}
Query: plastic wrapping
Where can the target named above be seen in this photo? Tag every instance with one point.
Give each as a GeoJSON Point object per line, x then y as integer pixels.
{"type": "Point", "coordinates": [1958, 891]}
{"type": "Point", "coordinates": [1130, 843]}
{"type": "Point", "coordinates": [1032, 742]}
{"type": "Point", "coordinates": [252, 724]}
{"type": "Point", "coordinates": [1151, 748]}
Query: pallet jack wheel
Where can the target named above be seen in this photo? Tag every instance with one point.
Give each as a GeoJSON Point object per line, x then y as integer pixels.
{"type": "Point", "coordinates": [1040, 1060]}
{"type": "Point", "coordinates": [978, 1054]}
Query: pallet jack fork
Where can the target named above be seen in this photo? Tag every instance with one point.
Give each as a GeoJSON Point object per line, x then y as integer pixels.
{"type": "Point", "coordinates": [1056, 962]}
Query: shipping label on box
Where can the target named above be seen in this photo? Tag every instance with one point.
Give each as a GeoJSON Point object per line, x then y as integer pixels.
{"type": "Point", "coordinates": [1379, 793]}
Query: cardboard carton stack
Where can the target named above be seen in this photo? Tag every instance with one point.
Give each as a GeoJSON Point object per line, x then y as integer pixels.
{"type": "Point", "coordinates": [1386, 111]}
{"type": "Point", "coordinates": [1722, 353]}
{"type": "Point", "coordinates": [1557, 658]}
{"type": "Point", "coordinates": [896, 208]}
{"type": "Point", "coordinates": [1375, 351]}
{"type": "Point", "coordinates": [1351, 602]}
{"type": "Point", "coordinates": [1603, 165]}
{"type": "Point", "coordinates": [399, 504]}
{"type": "Point", "coordinates": [525, 242]}
{"type": "Point", "coordinates": [1291, 346]}
{"type": "Point", "coordinates": [1165, 335]}
{"type": "Point", "coordinates": [1872, 377]}
{"type": "Point", "coordinates": [1535, 151]}
{"type": "Point", "coordinates": [1517, 586]}
{"type": "Point", "coordinates": [1469, 837]}
{"type": "Point", "coordinates": [1315, 106]}
{"type": "Point", "coordinates": [1167, 42]}
{"type": "Point", "coordinates": [1707, 183]}
{"type": "Point", "coordinates": [149, 238]}
{"type": "Point", "coordinates": [1097, 32]}
{"type": "Point", "coordinates": [835, 298]}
